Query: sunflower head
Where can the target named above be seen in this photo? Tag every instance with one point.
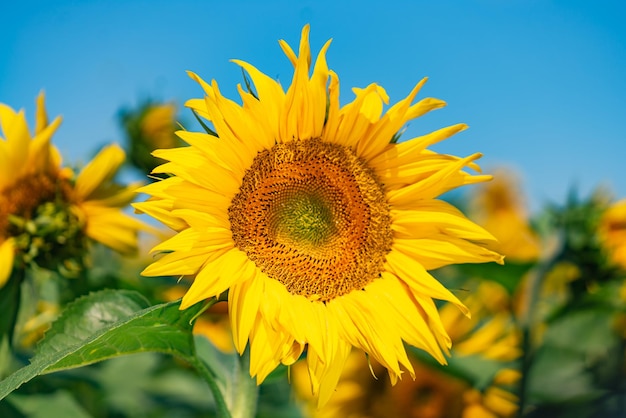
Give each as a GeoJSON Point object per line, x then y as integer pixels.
{"type": "Point", "coordinates": [499, 207]}
{"type": "Point", "coordinates": [312, 208]}
{"type": "Point", "coordinates": [150, 126]}
{"type": "Point", "coordinates": [47, 214]}
{"type": "Point", "coordinates": [318, 222]}
{"type": "Point", "coordinates": [36, 223]}
{"type": "Point", "coordinates": [612, 232]}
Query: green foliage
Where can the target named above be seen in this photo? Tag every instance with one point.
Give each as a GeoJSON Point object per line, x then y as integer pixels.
{"type": "Point", "coordinates": [573, 355]}
{"type": "Point", "coordinates": [113, 323]}
{"type": "Point", "coordinates": [103, 325]}
{"type": "Point", "coordinates": [58, 404]}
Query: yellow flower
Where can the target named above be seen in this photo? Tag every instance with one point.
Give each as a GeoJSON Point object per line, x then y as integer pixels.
{"type": "Point", "coordinates": [151, 126]}
{"type": "Point", "coordinates": [613, 232]}
{"type": "Point", "coordinates": [31, 176]}
{"type": "Point", "coordinates": [158, 126]}
{"type": "Point", "coordinates": [319, 225]}
{"type": "Point", "coordinates": [499, 208]}
{"type": "Point", "coordinates": [26, 169]}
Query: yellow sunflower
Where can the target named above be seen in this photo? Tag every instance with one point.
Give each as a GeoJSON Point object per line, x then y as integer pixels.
{"type": "Point", "coordinates": [31, 176]}
{"type": "Point", "coordinates": [321, 227]}
{"type": "Point", "coordinates": [499, 208]}
{"type": "Point", "coordinates": [612, 232]}
{"type": "Point", "coordinates": [150, 126]}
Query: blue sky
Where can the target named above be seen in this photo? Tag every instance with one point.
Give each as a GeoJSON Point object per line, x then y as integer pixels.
{"type": "Point", "coordinates": [542, 83]}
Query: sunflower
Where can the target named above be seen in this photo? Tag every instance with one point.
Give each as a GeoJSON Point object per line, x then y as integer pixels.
{"type": "Point", "coordinates": [612, 232]}
{"type": "Point", "coordinates": [33, 183]}
{"type": "Point", "coordinates": [150, 126]}
{"type": "Point", "coordinates": [499, 208]}
{"type": "Point", "coordinates": [318, 223]}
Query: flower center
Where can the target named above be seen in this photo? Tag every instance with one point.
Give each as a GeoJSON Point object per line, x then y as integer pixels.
{"type": "Point", "coordinates": [35, 210]}
{"type": "Point", "coordinates": [22, 197]}
{"type": "Point", "coordinates": [313, 216]}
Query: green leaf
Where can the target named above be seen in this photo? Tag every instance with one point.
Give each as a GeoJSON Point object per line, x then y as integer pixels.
{"type": "Point", "coordinates": [560, 375]}
{"type": "Point", "coordinates": [595, 324]}
{"type": "Point", "coordinates": [232, 375]}
{"type": "Point", "coordinates": [159, 384]}
{"type": "Point", "coordinates": [58, 404]}
{"type": "Point", "coordinates": [108, 324]}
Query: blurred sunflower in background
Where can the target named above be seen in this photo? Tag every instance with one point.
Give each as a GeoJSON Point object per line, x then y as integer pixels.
{"type": "Point", "coordinates": [321, 227]}
{"type": "Point", "coordinates": [149, 127]}
{"type": "Point", "coordinates": [612, 232]}
{"type": "Point", "coordinates": [499, 207]}
{"type": "Point", "coordinates": [29, 171]}
{"type": "Point", "coordinates": [48, 214]}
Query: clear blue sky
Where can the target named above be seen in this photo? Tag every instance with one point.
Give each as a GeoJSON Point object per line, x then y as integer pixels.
{"type": "Point", "coordinates": [541, 83]}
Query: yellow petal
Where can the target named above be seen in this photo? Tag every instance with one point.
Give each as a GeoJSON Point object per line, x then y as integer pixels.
{"type": "Point", "coordinates": [439, 216]}
{"type": "Point", "coordinates": [101, 169]}
{"type": "Point", "coordinates": [411, 272]}
{"type": "Point", "coordinates": [41, 120]}
{"type": "Point", "coordinates": [7, 254]}
{"type": "Point", "coordinates": [15, 149]}
{"type": "Point", "coordinates": [243, 306]}
{"type": "Point", "coordinates": [225, 267]}
{"type": "Point", "coordinates": [111, 227]}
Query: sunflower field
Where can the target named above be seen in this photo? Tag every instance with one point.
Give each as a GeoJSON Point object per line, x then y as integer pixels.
{"type": "Point", "coordinates": [290, 253]}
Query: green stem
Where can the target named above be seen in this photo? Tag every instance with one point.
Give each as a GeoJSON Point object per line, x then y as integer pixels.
{"type": "Point", "coordinates": [527, 320]}
{"type": "Point", "coordinates": [208, 374]}
{"type": "Point", "coordinates": [248, 390]}
{"type": "Point", "coordinates": [210, 378]}
{"type": "Point", "coordinates": [237, 398]}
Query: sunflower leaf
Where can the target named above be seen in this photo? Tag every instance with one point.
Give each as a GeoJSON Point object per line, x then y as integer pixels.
{"type": "Point", "coordinates": [108, 324]}
{"type": "Point", "coordinates": [57, 404]}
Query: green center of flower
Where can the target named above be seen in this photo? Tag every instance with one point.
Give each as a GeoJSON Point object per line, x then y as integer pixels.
{"type": "Point", "coordinates": [35, 210]}
{"type": "Point", "coordinates": [313, 216]}
{"type": "Point", "coordinates": [304, 219]}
